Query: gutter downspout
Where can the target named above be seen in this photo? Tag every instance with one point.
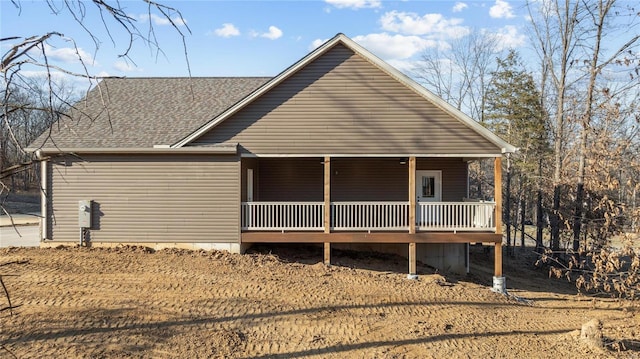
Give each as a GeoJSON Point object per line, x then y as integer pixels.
{"type": "Point", "coordinates": [44, 198]}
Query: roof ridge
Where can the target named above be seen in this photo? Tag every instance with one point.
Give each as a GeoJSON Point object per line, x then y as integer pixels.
{"type": "Point", "coordinates": [185, 77]}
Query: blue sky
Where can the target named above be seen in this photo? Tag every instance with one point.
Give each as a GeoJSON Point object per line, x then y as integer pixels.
{"type": "Point", "coordinates": [262, 38]}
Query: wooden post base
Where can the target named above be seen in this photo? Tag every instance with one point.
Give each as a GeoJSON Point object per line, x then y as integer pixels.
{"type": "Point", "coordinates": [412, 260]}
{"type": "Point", "coordinates": [327, 253]}
{"type": "Point", "coordinates": [498, 260]}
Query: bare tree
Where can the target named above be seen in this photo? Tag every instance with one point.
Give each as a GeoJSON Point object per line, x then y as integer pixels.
{"type": "Point", "coordinates": [553, 29]}
{"type": "Point", "coordinates": [599, 16]}
{"type": "Point", "coordinates": [459, 74]}
{"type": "Point", "coordinates": [29, 51]}
{"type": "Point", "coordinates": [26, 123]}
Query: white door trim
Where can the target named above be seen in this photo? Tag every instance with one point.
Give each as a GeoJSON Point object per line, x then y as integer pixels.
{"type": "Point", "coordinates": [437, 190]}
{"type": "Point", "coordinates": [428, 190]}
{"type": "Point", "coordinates": [249, 184]}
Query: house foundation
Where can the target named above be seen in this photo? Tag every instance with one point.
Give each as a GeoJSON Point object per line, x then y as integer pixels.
{"type": "Point", "coordinates": [445, 257]}
{"type": "Point", "coordinates": [237, 248]}
{"type": "Point", "coordinates": [499, 285]}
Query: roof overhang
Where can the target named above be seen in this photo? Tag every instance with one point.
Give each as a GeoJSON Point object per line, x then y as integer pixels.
{"type": "Point", "coordinates": [399, 76]}
{"type": "Point", "coordinates": [226, 149]}
{"type": "Point", "coordinates": [466, 157]}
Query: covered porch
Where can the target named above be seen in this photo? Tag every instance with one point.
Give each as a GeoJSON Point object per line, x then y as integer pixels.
{"type": "Point", "coordinates": [327, 200]}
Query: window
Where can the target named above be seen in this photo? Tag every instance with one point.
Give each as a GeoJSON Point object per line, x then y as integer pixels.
{"type": "Point", "coordinates": [428, 186]}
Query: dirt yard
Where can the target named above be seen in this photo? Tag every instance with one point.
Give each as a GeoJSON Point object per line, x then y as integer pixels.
{"type": "Point", "coordinates": [280, 302]}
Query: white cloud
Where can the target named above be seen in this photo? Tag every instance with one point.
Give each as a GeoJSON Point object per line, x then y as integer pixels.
{"type": "Point", "coordinates": [227, 30]}
{"type": "Point", "coordinates": [162, 20]}
{"type": "Point", "coordinates": [68, 55]}
{"type": "Point", "coordinates": [404, 66]}
{"type": "Point", "coordinates": [509, 37]}
{"type": "Point", "coordinates": [64, 84]}
{"type": "Point", "coordinates": [316, 43]}
{"type": "Point", "coordinates": [56, 76]}
{"type": "Point", "coordinates": [124, 66]}
{"type": "Point", "coordinates": [274, 33]}
{"type": "Point", "coordinates": [354, 4]}
{"type": "Point", "coordinates": [459, 6]}
{"type": "Point", "coordinates": [414, 24]}
{"type": "Point", "coordinates": [501, 9]}
{"type": "Point", "coordinates": [396, 47]}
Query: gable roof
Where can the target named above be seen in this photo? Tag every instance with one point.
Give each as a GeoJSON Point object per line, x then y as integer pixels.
{"type": "Point", "coordinates": [144, 112]}
{"type": "Point", "coordinates": [353, 46]}
{"type": "Point", "coordinates": [140, 113]}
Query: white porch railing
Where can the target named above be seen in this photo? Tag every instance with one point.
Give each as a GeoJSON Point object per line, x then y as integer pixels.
{"type": "Point", "coordinates": [455, 216]}
{"type": "Point", "coordinates": [365, 216]}
{"type": "Point", "coordinates": [283, 216]}
{"type": "Point", "coordinates": [368, 216]}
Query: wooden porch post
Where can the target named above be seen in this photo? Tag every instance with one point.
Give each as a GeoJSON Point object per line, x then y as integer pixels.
{"type": "Point", "coordinates": [498, 261]}
{"type": "Point", "coordinates": [412, 195]}
{"type": "Point", "coordinates": [412, 217]}
{"type": "Point", "coordinates": [412, 261]}
{"type": "Point", "coordinates": [497, 172]}
{"type": "Point", "coordinates": [327, 208]}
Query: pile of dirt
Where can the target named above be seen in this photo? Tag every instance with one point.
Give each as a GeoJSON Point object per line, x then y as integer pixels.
{"type": "Point", "coordinates": [282, 302]}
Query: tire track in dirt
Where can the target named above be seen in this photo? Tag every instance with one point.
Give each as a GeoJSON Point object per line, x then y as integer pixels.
{"type": "Point", "coordinates": [131, 303]}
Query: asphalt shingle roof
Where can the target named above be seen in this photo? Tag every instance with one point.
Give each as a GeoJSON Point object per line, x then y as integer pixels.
{"type": "Point", "coordinates": [143, 112]}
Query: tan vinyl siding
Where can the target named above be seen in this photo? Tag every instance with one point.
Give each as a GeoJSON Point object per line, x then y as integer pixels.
{"type": "Point", "coordinates": [342, 104]}
{"type": "Point", "coordinates": [290, 179]}
{"type": "Point", "coordinates": [367, 179]}
{"type": "Point", "coordinates": [352, 179]}
{"type": "Point", "coordinates": [147, 198]}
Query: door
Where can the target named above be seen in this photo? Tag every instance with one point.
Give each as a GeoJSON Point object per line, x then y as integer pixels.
{"type": "Point", "coordinates": [428, 191]}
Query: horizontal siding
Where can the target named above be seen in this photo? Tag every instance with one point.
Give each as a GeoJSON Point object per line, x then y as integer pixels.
{"type": "Point", "coordinates": [342, 104]}
{"type": "Point", "coordinates": [454, 176]}
{"type": "Point", "coordinates": [147, 198]}
{"type": "Point", "coordinates": [353, 179]}
{"type": "Point", "coordinates": [295, 179]}
{"type": "Point", "coordinates": [367, 179]}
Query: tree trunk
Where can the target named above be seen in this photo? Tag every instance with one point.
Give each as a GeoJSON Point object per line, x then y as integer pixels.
{"type": "Point", "coordinates": [523, 203]}
{"type": "Point", "coordinates": [554, 219]}
{"type": "Point", "coordinates": [633, 220]}
{"type": "Point", "coordinates": [577, 216]}
{"type": "Point", "coordinates": [507, 206]}
{"type": "Point", "coordinates": [539, 211]}
{"type": "Point", "coordinates": [594, 70]}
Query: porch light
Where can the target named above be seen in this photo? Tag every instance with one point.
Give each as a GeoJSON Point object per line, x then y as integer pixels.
{"type": "Point", "coordinates": [403, 160]}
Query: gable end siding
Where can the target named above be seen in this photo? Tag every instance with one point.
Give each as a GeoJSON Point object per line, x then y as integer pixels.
{"type": "Point", "coordinates": [143, 198]}
{"type": "Point", "coordinates": [342, 104]}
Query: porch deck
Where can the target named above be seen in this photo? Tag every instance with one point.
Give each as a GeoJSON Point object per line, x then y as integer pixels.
{"type": "Point", "coordinates": [372, 237]}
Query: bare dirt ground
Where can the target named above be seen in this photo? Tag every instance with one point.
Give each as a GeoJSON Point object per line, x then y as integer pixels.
{"type": "Point", "coordinates": [282, 302]}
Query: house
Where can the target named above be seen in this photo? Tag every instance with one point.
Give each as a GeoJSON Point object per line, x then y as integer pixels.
{"type": "Point", "coordinates": [339, 149]}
